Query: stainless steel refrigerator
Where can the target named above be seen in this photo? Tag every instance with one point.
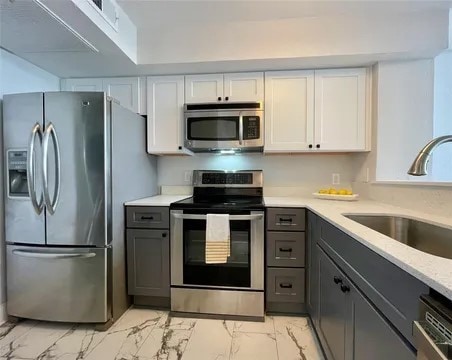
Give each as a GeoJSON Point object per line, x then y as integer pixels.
{"type": "Point", "coordinates": [71, 160]}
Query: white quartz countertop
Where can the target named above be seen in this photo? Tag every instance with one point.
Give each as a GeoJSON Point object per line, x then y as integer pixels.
{"type": "Point", "coordinates": [157, 200]}
{"type": "Point", "coordinates": [433, 270]}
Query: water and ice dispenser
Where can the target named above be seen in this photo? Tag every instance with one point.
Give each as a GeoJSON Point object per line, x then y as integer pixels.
{"type": "Point", "coordinates": [17, 173]}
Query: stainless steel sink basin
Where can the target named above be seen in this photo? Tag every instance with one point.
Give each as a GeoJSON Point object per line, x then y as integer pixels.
{"type": "Point", "coordinates": [432, 239]}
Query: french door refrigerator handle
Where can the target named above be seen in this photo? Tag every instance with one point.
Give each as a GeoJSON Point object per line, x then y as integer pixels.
{"type": "Point", "coordinates": [51, 204]}
{"type": "Point", "coordinates": [42, 255]}
{"type": "Point", "coordinates": [37, 206]}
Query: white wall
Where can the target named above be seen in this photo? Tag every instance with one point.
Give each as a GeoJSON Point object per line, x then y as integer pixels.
{"type": "Point", "coordinates": [16, 76]}
{"type": "Point", "coordinates": [422, 32]}
{"type": "Point", "coordinates": [405, 115]}
{"type": "Point", "coordinates": [442, 117]}
{"type": "Point", "coordinates": [309, 171]}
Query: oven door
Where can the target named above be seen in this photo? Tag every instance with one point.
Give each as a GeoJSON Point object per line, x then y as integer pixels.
{"type": "Point", "coordinates": [244, 268]}
{"type": "Point", "coordinates": [223, 130]}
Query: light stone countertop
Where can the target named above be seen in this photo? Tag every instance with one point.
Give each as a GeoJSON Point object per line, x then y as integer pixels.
{"type": "Point", "coordinates": [433, 270]}
{"type": "Point", "coordinates": [157, 200]}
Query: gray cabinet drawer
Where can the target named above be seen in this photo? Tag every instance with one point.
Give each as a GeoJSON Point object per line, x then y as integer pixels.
{"type": "Point", "coordinates": [286, 249]}
{"type": "Point", "coordinates": [281, 219]}
{"type": "Point", "coordinates": [285, 285]}
{"type": "Point", "coordinates": [147, 217]}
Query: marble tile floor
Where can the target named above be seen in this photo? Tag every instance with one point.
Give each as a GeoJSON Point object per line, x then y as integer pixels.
{"type": "Point", "coordinates": [144, 334]}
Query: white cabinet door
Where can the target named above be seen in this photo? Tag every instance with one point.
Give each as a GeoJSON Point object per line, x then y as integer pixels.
{"type": "Point", "coordinates": [82, 85]}
{"type": "Point", "coordinates": [203, 88]}
{"type": "Point", "coordinates": [340, 110]}
{"type": "Point", "coordinates": [165, 103]}
{"type": "Point", "coordinates": [126, 90]}
{"type": "Point", "coordinates": [289, 111]}
{"type": "Point", "coordinates": [244, 87]}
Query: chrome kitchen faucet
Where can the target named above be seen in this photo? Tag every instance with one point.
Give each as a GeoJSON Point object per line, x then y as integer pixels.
{"type": "Point", "coordinates": [419, 166]}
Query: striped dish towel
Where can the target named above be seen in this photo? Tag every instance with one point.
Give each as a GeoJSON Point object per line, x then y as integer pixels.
{"type": "Point", "coordinates": [218, 240]}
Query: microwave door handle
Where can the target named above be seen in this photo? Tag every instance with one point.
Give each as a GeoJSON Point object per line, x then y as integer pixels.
{"type": "Point", "coordinates": [240, 129]}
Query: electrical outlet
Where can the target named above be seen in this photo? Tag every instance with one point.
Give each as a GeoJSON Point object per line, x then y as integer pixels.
{"type": "Point", "coordinates": [336, 179]}
{"type": "Point", "coordinates": [187, 176]}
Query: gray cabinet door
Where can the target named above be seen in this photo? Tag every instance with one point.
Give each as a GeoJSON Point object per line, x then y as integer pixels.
{"type": "Point", "coordinates": [332, 309]}
{"type": "Point", "coordinates": [148, 262]}
{"type": "Point", "coordinates": [312, 264]}
{"type": "Point", "coordinates": [369, 335]}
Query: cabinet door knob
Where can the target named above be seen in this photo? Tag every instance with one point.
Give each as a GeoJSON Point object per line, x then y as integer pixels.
{"type": "Point", "coordinates": [163, 234]}
{"type": "Point", "coordinates": [226, 98]}
{"type": "Point", "coordinates": [318, 146]}
{"type": "Point", "coordinates": [345, 288]}
{"type": "Point", "coordinates": [337, 280]}
{"type": "Point", "coordinates": [219, 98]}
{"type": "Point", "coordinates": [310, 146]}
{"type": "Point", "coordinates": [180, 147]}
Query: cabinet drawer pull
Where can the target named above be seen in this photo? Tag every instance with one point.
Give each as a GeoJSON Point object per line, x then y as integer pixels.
{"type": "Point", "coordinates": [285, 285]}
{"type": "Point", "coordinates": [147, 218]}
{"type": "Point", "coordinates": [337, 280]}
{"type": "Point", "coordinates": [285, 249]}
{"type": "Point", "coordinates": [285, 219]}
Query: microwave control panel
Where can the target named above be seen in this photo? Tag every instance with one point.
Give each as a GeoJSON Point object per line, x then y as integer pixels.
{"type": "Point", "coordinates": [251, 127]}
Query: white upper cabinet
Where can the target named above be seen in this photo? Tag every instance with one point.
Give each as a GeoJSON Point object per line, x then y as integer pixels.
{"type": "Point", "coordinates": [82, 85]}
{"type": "Point", "coordinates": [244, 87]}
{"type": "Point", "coordinates": [224, 87]}
{"type": "Point", "coordinates": [289, 111]}
{"type": "Point", "coordinates": [340, 109]}
{"type": "Point", "coordinates": [203, 88]}
{"type": "Point", "coordinates": [314, 111]}
{"type": "Point", "coordinates": [165, 127]}
{"type": "Point", "coordinates": [126, 90]}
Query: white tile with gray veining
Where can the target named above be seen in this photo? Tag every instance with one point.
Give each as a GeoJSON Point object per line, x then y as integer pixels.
{"type": "Point", "coordinates": [145, 334]}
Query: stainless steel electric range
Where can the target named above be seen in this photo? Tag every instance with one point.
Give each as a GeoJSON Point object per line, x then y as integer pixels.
{"type": "Point", "coordinates": [235, 288]}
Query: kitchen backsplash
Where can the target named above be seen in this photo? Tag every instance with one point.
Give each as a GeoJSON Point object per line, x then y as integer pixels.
{"type": "Point", "coordinates": [435, 200]}
{"type": "Point", "coordinates": [303, 172]}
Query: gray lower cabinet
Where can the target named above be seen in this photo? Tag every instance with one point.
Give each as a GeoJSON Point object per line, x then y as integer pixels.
{"type": "Point", "coordinates": [349, 326]}
{"type": "Point", "coordinates": [148, 255]}
{"type": "Point", "coordinates": [148, 262]}
{"type": "Point", "coordinates": [286, 260]}
{"type": "Point", "coordinates": [312, 268]}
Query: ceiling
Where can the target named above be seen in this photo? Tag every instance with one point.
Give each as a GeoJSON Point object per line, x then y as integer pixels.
{"type": "Point", "coordinates": [147, 13]}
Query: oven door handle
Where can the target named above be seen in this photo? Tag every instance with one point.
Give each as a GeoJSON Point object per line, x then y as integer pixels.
{"type": "Point", "coordinates": [231, 217]}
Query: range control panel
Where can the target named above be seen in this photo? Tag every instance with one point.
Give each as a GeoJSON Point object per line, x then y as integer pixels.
{"type": "Point", "coordinates": [227, 178]}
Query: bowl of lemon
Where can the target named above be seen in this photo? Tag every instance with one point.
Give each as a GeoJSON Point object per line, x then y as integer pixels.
{"type": "Point", "coordinates": [336, 194]}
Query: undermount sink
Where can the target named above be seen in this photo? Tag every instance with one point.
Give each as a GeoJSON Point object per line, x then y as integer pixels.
{"type": "Point", "coordinates": [429, 238]}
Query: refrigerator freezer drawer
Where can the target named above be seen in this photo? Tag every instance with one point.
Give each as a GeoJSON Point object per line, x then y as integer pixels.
{"type": "Point", "coordinates": [57, 284]}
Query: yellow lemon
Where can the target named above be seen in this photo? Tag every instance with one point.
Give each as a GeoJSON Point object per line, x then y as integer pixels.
{"type": "Point", "coordinates": [349, 192]}
{"type": "Point", "coordinates": [342, 192]}
{"type": "Point", "coordinates": [323, 191]}
{"type": "Point", "coordinates": [332, 191]}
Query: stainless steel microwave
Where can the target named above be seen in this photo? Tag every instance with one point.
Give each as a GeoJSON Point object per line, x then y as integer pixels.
{"type": "Point", "coordinates": [224, 127]}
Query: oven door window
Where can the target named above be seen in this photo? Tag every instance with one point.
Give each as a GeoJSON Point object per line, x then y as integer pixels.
{"type": "Point", "coordinates": [235, 273]}
{"type": "Point", "coordinates": [224, 128]}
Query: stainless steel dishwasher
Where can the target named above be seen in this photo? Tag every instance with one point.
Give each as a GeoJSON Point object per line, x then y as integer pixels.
{"type": "Point", "coordinates": [433, 332]}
